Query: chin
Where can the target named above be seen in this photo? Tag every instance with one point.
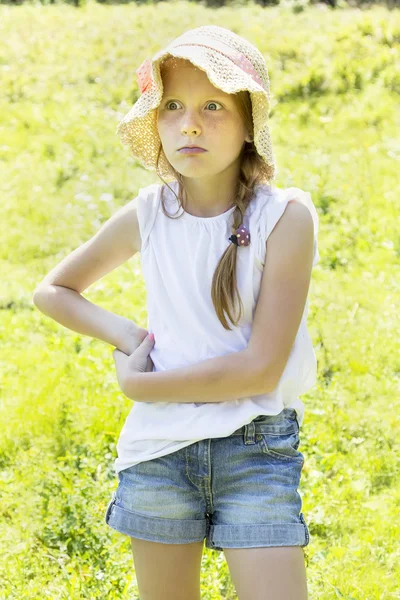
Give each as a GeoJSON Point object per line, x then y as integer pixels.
{"type": "Point", "coordinates": [192, 171]}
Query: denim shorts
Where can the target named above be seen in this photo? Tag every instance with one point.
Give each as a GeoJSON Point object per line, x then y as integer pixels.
{"type": "Point", "coordinates": [238, 491]}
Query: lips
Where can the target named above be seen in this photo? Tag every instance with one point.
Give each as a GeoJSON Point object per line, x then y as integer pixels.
{"type": "Point", "coordinates": [191, 148]}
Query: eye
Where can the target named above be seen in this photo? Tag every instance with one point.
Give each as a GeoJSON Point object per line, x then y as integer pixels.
{"type": "Point", "coordinates": [213, 102]}
{"type": "Point", "coordinates": [175, 102]}
{"type": "Point", "coordinates": [170, 102]}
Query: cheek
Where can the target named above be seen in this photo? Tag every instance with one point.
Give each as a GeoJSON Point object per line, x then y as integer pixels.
{"type": "Point", "coordinates": [225, 132]}
{"type": "Point", "coordinates": [223, 124]}
{"type": "Point", "coordinates": [167, 124]}
{"type": "Point", "coordinates": [163, 128]}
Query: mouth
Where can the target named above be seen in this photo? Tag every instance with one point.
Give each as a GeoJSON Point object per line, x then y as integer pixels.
{"type": "Point", "coordinates": [191, 150]}
{"type": "Point", "coordinates": [191, 146]}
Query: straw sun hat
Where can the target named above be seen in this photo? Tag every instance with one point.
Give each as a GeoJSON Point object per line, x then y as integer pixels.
{"type": "Point", "coordinates": [231, 63]}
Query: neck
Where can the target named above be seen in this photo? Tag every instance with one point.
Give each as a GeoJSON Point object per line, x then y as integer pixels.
{"type": "Point", "coordinates": [209, 196]}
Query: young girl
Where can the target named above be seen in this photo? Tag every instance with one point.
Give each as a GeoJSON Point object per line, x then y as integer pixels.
{"type": "Point", "coordinates": [210, 447]}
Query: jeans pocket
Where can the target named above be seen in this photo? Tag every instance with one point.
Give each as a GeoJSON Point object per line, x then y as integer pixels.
{"type": "Point", "coordinates": [282, 446]}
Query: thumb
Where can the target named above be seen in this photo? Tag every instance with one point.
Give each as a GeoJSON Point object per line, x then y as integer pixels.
{"type": "Point", "coordinates": [145, 346]}
{"type": "Point", "coordinates": [149, 339]}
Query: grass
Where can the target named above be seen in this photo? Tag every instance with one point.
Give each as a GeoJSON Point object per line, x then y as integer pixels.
{"type": "Point", "coordinates": [68, 77]}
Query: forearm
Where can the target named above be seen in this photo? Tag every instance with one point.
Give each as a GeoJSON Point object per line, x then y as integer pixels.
{"type": "Point", "coordinates": [219, 379]}
{"type": "Point", "coordinates": [69, 308]}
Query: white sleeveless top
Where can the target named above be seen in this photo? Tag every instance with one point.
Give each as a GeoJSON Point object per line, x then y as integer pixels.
{"type": "Point", "coordinates": [178, 259]}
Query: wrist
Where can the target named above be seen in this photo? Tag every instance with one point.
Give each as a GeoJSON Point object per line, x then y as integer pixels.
{"type": "Point", "coordinates": [127, 336]}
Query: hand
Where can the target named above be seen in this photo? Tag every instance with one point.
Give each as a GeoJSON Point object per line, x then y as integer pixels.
{"type": "Point", "coordinates": [137, 362]}
{"type": "Point", "coordinates": [130, 337]}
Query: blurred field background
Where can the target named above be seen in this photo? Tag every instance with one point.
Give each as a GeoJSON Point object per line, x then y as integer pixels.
{"type": "Point", "coordinates": [67, 78]}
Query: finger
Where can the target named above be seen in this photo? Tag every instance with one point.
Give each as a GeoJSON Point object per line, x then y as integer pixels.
{"type": "Point", "coordinates": [147, 343]}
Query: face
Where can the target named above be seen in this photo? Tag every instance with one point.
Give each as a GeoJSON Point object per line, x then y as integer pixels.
{"type": "Point", "coordinates": [193, 111]}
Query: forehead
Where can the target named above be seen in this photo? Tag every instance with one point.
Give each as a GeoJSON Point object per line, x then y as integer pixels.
{"type": "Point", "coordinates": [180, 75]}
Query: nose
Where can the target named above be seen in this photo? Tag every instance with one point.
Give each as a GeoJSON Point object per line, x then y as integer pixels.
{"type": "Point", "coordinates": [190, 126]}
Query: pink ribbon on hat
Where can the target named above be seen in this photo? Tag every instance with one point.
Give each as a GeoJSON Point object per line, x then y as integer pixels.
{"type": "Point", "coordinates": [234, 55]}
{"type": "Point", "coordinates": [145, 75]}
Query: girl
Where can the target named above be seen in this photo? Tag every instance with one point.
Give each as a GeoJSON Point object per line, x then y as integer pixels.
{"type": "Point", "coordinates": [210, 447]}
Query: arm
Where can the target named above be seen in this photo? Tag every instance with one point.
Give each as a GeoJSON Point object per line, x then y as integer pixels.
{"type": "Point", "coordinates": [280, 306]}
{"type": "Point", "coordinates": [219, 379]}
{"type": "Point", "coordinates": [59, 294]}
{"type": "Point", "coordinates": [69, 308]}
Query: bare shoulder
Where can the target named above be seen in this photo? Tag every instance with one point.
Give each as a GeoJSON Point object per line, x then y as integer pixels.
{"type": "Point", "coordinates": [290, 246]}
{"type": "Point", "coordinates": [296, 220]}
{"type": "Point", "coordinates": [299, 212]}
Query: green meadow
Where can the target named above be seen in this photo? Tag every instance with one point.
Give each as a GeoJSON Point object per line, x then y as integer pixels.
{"type": "Point", "coordinates": [67, 78]}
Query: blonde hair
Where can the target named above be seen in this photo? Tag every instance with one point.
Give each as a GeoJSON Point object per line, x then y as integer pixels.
{"type": "Point", "coordinates": [253, 171]}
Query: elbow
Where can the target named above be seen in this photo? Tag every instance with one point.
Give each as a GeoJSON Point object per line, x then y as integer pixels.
{"type": "Point", "coordinates": [40, 295]}
{"type": "Point", "coordinates": [261, 376]}
{"type": "Point", "coordinates": [268, 379]}
{"type": "Point", "coordinates": [37, 298]}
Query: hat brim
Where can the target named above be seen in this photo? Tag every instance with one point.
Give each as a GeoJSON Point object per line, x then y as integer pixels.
{"type": "Point", "coordinates": [138, 129]}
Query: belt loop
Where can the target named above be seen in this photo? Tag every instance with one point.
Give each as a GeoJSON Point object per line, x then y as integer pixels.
{"type": "Point", "coordinates": [249, 433]}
